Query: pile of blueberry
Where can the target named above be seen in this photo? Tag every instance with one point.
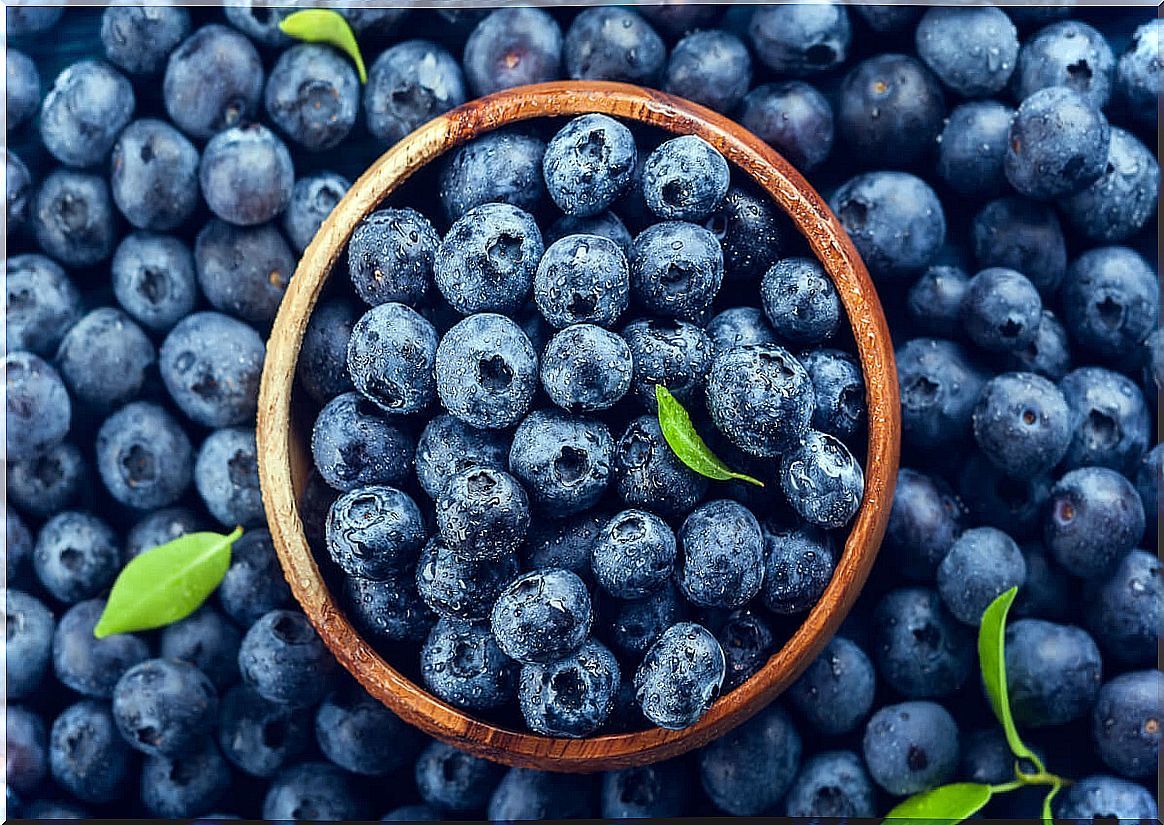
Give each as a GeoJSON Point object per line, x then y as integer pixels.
{"type": "Point", "coordinates": [165, 168]}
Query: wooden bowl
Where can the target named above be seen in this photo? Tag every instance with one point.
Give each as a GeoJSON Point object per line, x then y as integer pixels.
{"type": "Point", "coordinates": [284, 460]}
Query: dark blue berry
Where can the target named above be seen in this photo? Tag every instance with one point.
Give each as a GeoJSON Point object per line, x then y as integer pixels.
{"type": "Point", "coordinates": [680, 676]}
{"type": "Point", "coordinates": [243, 271]}
{"type": "Point", "coordinates": [835, 693]}
{"type": "Point", "coordinates": [1111, 301]}
{"type": "Point", "coordinates": [462, 664]}
{"type": "Point", "coordinates": [831, 784]}
{"type": "Point", "coordinates": [761, 398]}
{"type": "Point", "coordinates": [26, 750]}
{"type": "Point", "coordinates": [486, 262]}
{"type": "Point", "coordinates": [18, 189]}
{"type": "Point", "coordinates": [360, 735]}
{"type": "Point", "coordinates": [542, 616]}
{"type": "Point", "coordinates": [572, 696]}
{"type": "Point", "coordinates": [1052, 672]}
{"type": "Point", "coordinates": [513, 47]}
{"type": "Point", "coordinates": [1106, 797]}
{"type": "Point", "coordinates": [246, 175]}
{"type": "Point", "coordinates": [207, 640]}
{"type": "Point", "coordinates": [154, 175]}
{"type": "Point", "coordinates": [738, 327]}
{"type": "Point", "coordinates": [798, 565]}
{"type": "Point", "coordinates": [154, 279]}
{"type": "Point", "coordinates": [257, 736]}
{"type": "Point", "coordinates": [649, 791]}
{"type": "Point", "coordinates": [164, 707]}
{"type": "Point", "coordinates": [374, 532]}
{"type": "Point", "coordinates": [723, 555]}
{"type": "Point", "coordinates": [1138, 73]}
{"type": "Point", "coordinates": [612, 43]}
{"type": "Point", "coordinates": [582, 279]}
{"type": "Point", "coordinates": [87, 756]}
{"type": "Point", "coordinates": [1093, 518]}
{"type": "Point", "coordinates": [1109, 420]}
{"type": "Point", "coordinates": [793, 118]}
{"type": "Point", "coordinates": [40, 304]}
{"type": "Point", "coordinates": [483, 513]}
{"type": "Point", "coordinates": [448, 446]}
{"type": "Point", "coordinates": [585, 368]}
{"type": "Point", "coordinates": [564, 460]}
{"type": "Point", "coordinates": [890, 110]}
{"type": "Point", "coordinates": [390, 256]}
{"type": "Point", "coordinates": [73, 218]}
{"type": "Point", "coordinates": [939, 387]}
{"type": "Point", "coordinates": [1048, 592]}
{"type": "Point", "coordinates": [565, 543]}
{"type": "Point", "coordinates": [323, 356]}
{"type": "Point", "coordinates": [390, 358]}
{"type": "Point", "coordinates": [410, 83]}
{"type": "Point", "coordinates": [589, 164]}
{"type": "Point", "coordinates": [1021, 423]}
{"type": "Point", "coordinates": [921, 651]}
{"type": "Point", "coordinates": [226, 474]}
{"type": "Point", "coordinates": [76, 556]}
{"type": "Point", "coordinates": [88, 105]}
{"type": "Point", "coordinates": [50, 481]}
{"type": "Point", "coordinates": [972, 144]}
{"type": "Point", "coordinates": [460, 585]}
{"type": "Point", "coordinates": [139, 39]}
{"type": "Point", "coordinates": [1123, 199]}
{"type": "Point", "coordinates": [748, 770]}
{"type": "Point", "coordinates": [453, 781]}
{"type": "Point", "coordinates": [1125, 723]}
{"type": "Point", "coordinates": [800, 40]}
{"type": "Point", "coordinates": [800, 301]}
{"type": "Point", "coordinates": [313, 790]}
{"type": "Point", "coordinates": [605, 225]}
{"type": "Point", "coordinates": [253, 584]}
{"type": "Point", "coordinates": [104, 359]}
{"type": "Point", "coordinates": [674, 353]}
{"type": "Point", "coordinates": [213, 81]}
{"type": "Point", "coordinates": [1124, 614]}
{"type": "Point", "coordinates": [28, 642]}
{"type": "Point", "coordinates": [501, 167]}
{"type": "Point", "coordinates": [840, 391]}
{"type": "Point", "coordinates": [313, 197]}
{"type": "Point", "coordinates": [676, 269]}
{"type": "Point", "coordinates": [312, 96]}
{"type": "Point", "coordinates": [631, 627]}
{"type": "Point", "coordinates": [1049, 355]}
{"type": "Point", "coordinates": [751, 232]}
{"type": "Point", "coordinates": [1058, 144]}
{"type": "Point", "coordinates": [822, 480]}
{"type": "Point", "coordinates": [981, 564]}
{"type": "Point", "coordinates": [86, 664]}
{"type": "Point", "coordinates": [355, 445]}
{"type": "Point", "coordinates": [634, 554]}
{"type": "Point", "coordinates": [187, 786]}
{"type": "Point", "coordinates": [711, 67]}
{"type": "Point", "coordinates": [284, 659]}
{"type": "Point", "coordinates": [144, 457]}
{"type": "Point", "coordinates": [1070, 53]}
{"type": "Point", "coordinates": [23, 89]}
{"type": "Point", "coordinates": [684, 179]}
{"type": "Point", "coordinates": [1022, 235]}
{"type": "Point", "coordinates": [390, 610]}
{"type": "Point", "coordinates": [210, 364]}
{"type": "Point", "coordinates": [971, 50]}
{"type": "Point", "coordinates": [911, 747]}
{"type": "Point", "coordinates": [747, 642]}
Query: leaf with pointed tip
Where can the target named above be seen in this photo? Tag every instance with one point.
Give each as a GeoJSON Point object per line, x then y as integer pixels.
{"type": "Point", "coordinates": [325, 26]}
{"type": "Point", "coordinates": [685, 442]}
{"type": "Point", "coordinates": [992, 660]}
{"type": "Point", "coordinates": [942, 805]}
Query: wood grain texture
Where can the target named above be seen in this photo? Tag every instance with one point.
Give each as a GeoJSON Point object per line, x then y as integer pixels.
{"type": "Point", "coordinates": [284, 459]}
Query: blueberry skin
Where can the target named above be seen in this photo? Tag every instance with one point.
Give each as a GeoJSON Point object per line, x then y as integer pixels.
{"type": "Point", "coordinates": [800, 40]}
{"type": "Point", "coordinates": [154, 279]}
{"type": "Point", "coordinates": [1101, 796]}
{"type": "Point", "coordinates": [911, 747]}
{"type": "Point", "coordinates": [73, 219]}
{"type": "Point", "coordinates": [921, 651]}
{"type": "Point", "coordinates": [895, 220]}
{"type": "Point", "coordinates": [563, 543]}
{"type": "Point", "coordinates": [1001, 310]}
{"type": "Point", "coordinates": [186, 786]}
{"type": "Point", "coordinates": [761, 398]}
{"type": "Point", "coordinates": [589, 164]}
{"type": "Point", "coordinates": [246, 175]}
{"type": "Point", "coordinates": [1137, 76]}
{"type": "Point", "coordinates": [890, 110]}
{"type": "Point", "coordinates": [257, 23]}
{"type": "Point", "coordinates": [1152, 350]}
{"type": "Point", "coordinates": [972, 51]}
{"type": "Point", "coordinates": [313, 197]}
{"type": "Point", "coordinates": [747, 642]}
{"type": "Point", "coordinates": [582, 279]}
{"type": "Point", "coordinates": [1123, 199]}
{"type": "Point", "coordinates": [420, 812]}
{"type": "Point", "coordinates": [226, 474]}
{"type": "Point", "coordinates": [1013, 504]}
{"type": "Point", "coordinates": [1109, 420]}
{"type": "Point", "coordinates": [322, 368]}
{"type": "Point", "coordinates": [387, 611]}
{"type": "Point", "coordinates": [312, 96]}
{"type": "Point", "coordinates": [40, 304]}
{"type": "Point", "coordinates": [751, 232]}
{"type": "Point", "coordinates": [390, 256]}
{"type": "Point", "coordinates": [391, 354]}
{"type": "Point", "coordinates": [674, 353]}
{"type": "Point", "coordinates": [571, 697]}
{"type": "Point", "coordinates": [252, 585]}
{"type": "Point", "coordinates": [611, 43]}
{"type": "Point", "coordinates": [28, 643]}
{"type": "Point", "coordinates": [710, 67]}
{"type": "Point", "coordinates": [462, 664]}
{"type": "Point", "coordinates": [23, 88]}
{"type": "Point", "coordinates": [210, 364]}
{"type": "Point", "coordinates": [676, 20]}
{"type": "Point", "coordinates": [48, 808]}
{"type": "Point", "coordinates": [448, 446]}
{"type": "Point", "coordinates": [144, 457]}
{"type": "Point", "coordinates": [162, 526]}
{"type": "Point", "coordinates": [793, 118]}
{"type": "Point", "coordinates": [634, 554]}
{"type": "Point", "coordinates": [831, 784]}
{"type": "Point", "coordinates": [453, 781]}
{"type": "Point", "coordinates": [1111, 301]}
{"type": "Point", "coordinates": [1023, 235]}
{"type": "Point", "coordinates": [840, 391]}
{"type": "Point", "coordinates": [213, 81]}
{"type": "Point", "coordinates": [26, 750]}
{"type": "Point", "coordinates": [800, 301]}
{"type": "Point", "coordinates": [585, 368]}
{"type": "Point", "coordinates": [139, 39]}
{"type": "Point", "coordinates": [164, 707]}
{"type": "Point", "coordinates": [1093, 518]}
{"type": "Point", "coordinates": [25, 20]}
{"type": "Point", "coordinates": [1053, 672]}
{"type": "Point", "coordinates": [410, 83]}
{"type": "Point", "coordinates": [504, 166]}
{"type": "Point", "coordinates": [355, 445]}
{"type": "Point", "coordinates": [104, 359]}
{"type": "Point", "coordinates": [512, 47]}
{"type": "Point", "coordinates": [1058, 144]}
{"type": "Point", "coordinates": [631, 627]}
{"type": "Point", "coordinates": [257, 736]}
{"type": "Point", "coordinates": [1124, 723]}
{"type": "Point", "coordinates": [647, 791]}
{"type": "Point", "coordinates": [243, 271]}
{"type": "Point", "coordinates": [986, 757]}
{"type": "Point", "coordinates": [154, 175]}
{"type": "Point", "coordinates": [76, 556]}
{"type": "Point", "coordinates": [564, 460]}
{"type": "Point", "coordinates": [283, 658]}
{"type": "Point", "coordinates": [1022, 424]}
{"type": "Point", "coordinates": [88, 105]}
{"type": "Point", "coordinates": [50, 482]}
{"type": "Point", "coordinates": [723, 555]}
{"type": "Point", "coordinates": [1049, 355]}
{"type": "Point", "coordinates": [526, 794]}
{"type": "Point", "coordinates": [1069, 53]}
{"type": "Point", "coordinates": [798, 565]}
{"type": "Point", "coordinates": [972, 144]}
{"type": "Point", "coordinates": [486, 262]}
{"type": "Point", "coordinates": [605, 225]}
{"type": "Point", "coordinates": [360, 735]}
{"type": "Point", "coordinates": [982, 564]}
{"type": "Point", "coordinates": [88, 665]}
{"type": "Point", "coordinates": [542, 616]}
{"type": "Point", "coordinates": [939, 387]}
{"type": "Point", "coordinates": [680, 676]}
{"type": "Point", "coordinates": [836, 692]}
{"type": "Point", "coordinates": [375, 532]}
{"type": "Point", "coordinates": [17, 546]}
{"type": "Point", "coordinates": [1124, 614]}
{"type": "Point", "coordinates": [738, 327]}
{"type": "Point", "coordinates": [483, 513]}
{"type": "Point", "coordinates": [747, 771]}
{"type": "Point", "coordinates": [87, 757]}
{"type": "Point", "coordinates": [822, 480]}
{"type": "Point", "coordinates": [316, 787]}
{"type": "Point", "coordinates": [1048, 592]}
{"type": "Point", "coordinates": [17, 190]}
{"type": "Point", "coordinates": [684, 179]}
{"type": "Point", "coordinates": [208, 641]}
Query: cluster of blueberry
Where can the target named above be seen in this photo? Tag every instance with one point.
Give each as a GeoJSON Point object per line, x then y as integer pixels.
{"type": "Point", "coordinates": [165, 167]}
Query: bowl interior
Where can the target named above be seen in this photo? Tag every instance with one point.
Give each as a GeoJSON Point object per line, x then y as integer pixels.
{"type": "Point", "coordinates": [284, 426]}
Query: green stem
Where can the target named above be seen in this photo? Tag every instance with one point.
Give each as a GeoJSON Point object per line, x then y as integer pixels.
{"type": "Point", "coordinates": [1040, 778]}
{"type": "Point", "coordinates": [1006, 787]}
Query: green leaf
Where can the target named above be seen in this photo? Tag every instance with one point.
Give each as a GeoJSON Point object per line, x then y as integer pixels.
{"type": "Point", "coordinates": [992, 660]}
{"type": "Point", "coordinates": [325, 26]}
{"type": "Point", "coordinates": [166, 583]}
{"type": "Point", "coordinates": [685, 442]}
{"type": "Point", "coordinates": [943, 804]}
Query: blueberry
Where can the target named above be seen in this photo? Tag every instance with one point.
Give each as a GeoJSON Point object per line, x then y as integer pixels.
{"type": "Point", "coordinates": [1058, 144]}
{"type": "Point", "coordinates": [355, 445]}
{"type": "Point", "coordinates": [738, 327]}
{"type": "Point", "coordinates": [487, 260]}
{"type": "Point", "coordinates": [389, 610]}
{"type": "Point", "coordinates": [243, 271]}
{"type": "Point", "coordinates": [139, 39]}
{"type": "Point", "coordinates": [448, 446]}
{"type": "Point", "coordinates": [751, 232]}
{"type": "Point", "coordinates": [677, 19]}
{"type": "Point", "coordinates": [647, 791]}
{"type": "Point", "coordinates": [1124, 614]}
{"type": "Point", "coordinates": [313, 197]}
{"type": "Point", "coordinates": [284, 659]}
{"type": "Point", "coordinates": [257, 736]}
{"type": "Point", "coordinates": [980, 565]}
{"type": "Point", "coordinates": [23, 88]}
{"type": "Point", "coordinates": [524, 793]}
{"type": "Point", "coordinates": [164, 707]}
{"type": "Point", "coordinates": [210, 364]}
{"type": "Point", "coordinates": [631, 627]}
{"type": "Point", "coordinates": [390, 256]}
{"type": "Point", "coordinates": [360, 735]}
{"type": "Point", "coordinates": [1013, 504]}
{"type": "Point", "coordinates": [611, 43]}
{"type": "Point", "coordinates": [972, 51]}
{"type": "Point", "coordinates": [76, 556]}
{"type": "Point", "coordinates": [1123, 199]}
{"type": "Point", "coordinates": [40, 304]}
{"type": "Point", "coordinates": [589, 164]}
{"type": "Point", "coordinates": [1023, 235]}
{"type": "Point", "coordinates": [710, 67]}
{"type": "Point", "coordinates": [105, 359]}
{"type": "Point", "coordinates": [572, 696]}
{"type": "Point", "coordinates": [1106, 797]}
{"type": "Point", "coordinates": [483, 513]}
{"type": "Point", "coordinates": [761, 398]}
{"type": "Point", "coordinates": [88, 665]}
{"type": "Point", "coordinates": [542, 616]}
{"type": "Point", "coordinates": [17, 190]}
{"type": "Point", "coordinates": [564, 543]}
{"type": "Point", "coordinates": [831, 784]}
{"type": "Point", "coordinates": [258, 21]}
{"type": "Point", "coordinates": [410, 83]}
{"type": "Point", "coordinates": [1111, 301]}
{"type": "Point", "coordinates": [226, 474]}
{"type": "Point", "coordinates": [972, 144]}
{"type": "Point", "coordinates": [313, 790]}
{"type": "Point", "coordinates": [586, 368]}
{"type": "Point", "coordinates": [1070, 53]}
{"type": "Point", "coordinates": [28, 642]}
{"type": "Point", "coordinates": [154, 279]}
{"type": "Point", "coordinates": [793, 118]}
{"type": "Point", "coordinates": [246, 175]}
{"type": "Point", "coordinates": [312, 96]}
{"type": "Point", "coordinates": [1152, 349]}
{"type": "Point", "coordinates": [747, 771]}
{"type": "Point", "coordinates": [1052, 672]}
{"type": "Point", "coordinates": [322, 368]}
{"type": "Point", "coordinates": [453, 781]}
{"type": "Point", "coordinates": [17, 546]}
{"type": "Point", "coordinates": [374, 532]}
{"type": "Point", "coordinates": [86, 755]}
{"type": "Point", "coordinates": [747, 643]}
{"type": "Point", "coordinates": [800, 301]}
{"type": "Point", "coordinates": [1094, 517]}
{"type": "Point", "coordinates": [634, 554]}
{"type": "Point", "coordinates": [88, 104]}
{"type": "Point", "coordinates": [1048, 355]}
{"type": "Point", "coordinates": [501, 167]}
{"type": "Point", "coordinates": [582, 279]}
{"type": "Point", "coordinates": [822, 480]}
{"type": "Point", "coordinates": [253, 584]}
{"type": "Point", "coordinates": [605, 225]}
{"type": "Point", "coordinates": [49, 808]}
{"type": "Point", "coordinates": [213, 81]}
{"type": "Point", "coordinates": [890, 110]}
{"type": "Point", "coordinates": [73, 219]}
{"type": "Point", "coordinates": [154, 175]}
{"type": "Point", "coordinates": [1048, 590]}
{"type": "Point", "coordinates": [1109, 420]}
{"type": "Point", "coordinates": [939, 387]}
{"type": "Point", "coordinates": [840, 391]}
{"type": "Point", "coordinates": [986, 757]}
{"type": "Point", "coordinates": [23, 21]}
{"type": "Point", "coordinates": [186, 786]}
{"type": "Point", "coordinates": [26, 750]}
{"type": "Point", "coordinates": [1125, 723]}
{"type": "Point", "coordinates": [836, 691]}
{"type": "Point", "coordinates": [798, 565]}
{"type": "Point", "coordinates": [563, 460]}
{"type": "Point", "coordinates": [1021, 423]}
{"type": "Point", "coordinates": [462, 664]}
{"type": "Point", "coordinates": [920, 650]}
{"type": "Point", "coordinates": [50, 481]}
{"type": "Point", "coordinates": [1138, 76]}
{"type": "Point", "coordinates": [207, 640]}
{"type": "Point", "coordinates": [684, 179]}
{"type": "Point", "coordinates": [513, 47]}
{"type": "Point", "coordinates": [390, 358]}
{"type": "Point", "coordinates": [894, 219]}
{"type": "Point", "coordinates": [723, 555]}
{"type": "Point", "coordinates": [800, 40]}
{"type": "Point", "coordinates": [674, 353]}
{"type": "Point", "coordinates": [911, 747]}
{"type": "Point", "coordinates": [144, 457]}
{"type": "Point", "coordinates": [419, 812]}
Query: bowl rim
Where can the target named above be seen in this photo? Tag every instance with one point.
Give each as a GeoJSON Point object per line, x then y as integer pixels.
{"type": "Point", "coordinates": [283, 459]}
